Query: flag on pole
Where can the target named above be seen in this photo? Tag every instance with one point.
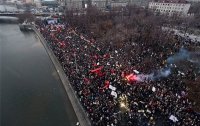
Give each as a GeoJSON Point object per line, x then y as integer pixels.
{"type": "Point", "coordinates": [97, 69]}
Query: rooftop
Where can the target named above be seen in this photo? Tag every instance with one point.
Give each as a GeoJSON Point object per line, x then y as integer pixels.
{"type": "Point", "coordinates": [171, 1]}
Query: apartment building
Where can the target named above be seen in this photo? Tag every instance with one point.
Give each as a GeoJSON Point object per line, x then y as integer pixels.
{"type": "Point", "coordinates": [170, 7]}
{"type": "Point", "coordinates": [102, 3]}
{"type": "Point", "coordinates": [144, 3]}
{"type": "Point", "coordinates": [193, 0]}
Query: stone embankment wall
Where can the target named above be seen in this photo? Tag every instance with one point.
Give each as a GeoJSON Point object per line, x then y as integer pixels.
{"type": "Point", "coordinates": [79, 110]}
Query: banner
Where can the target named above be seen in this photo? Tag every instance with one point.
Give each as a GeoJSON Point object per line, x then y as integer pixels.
{"type": "Point", "coordinates": [112, 87]}
{"type": "Point", "coordinates": [52, 21]}
{"type": "Point", "coordinates": [135, 71]}
{"type": "Point", "coordinates": [173, 118]}
{"type": "Point", "coordinates": [97, 69]}
{"type": "Point", "coordinates": [113, 93]}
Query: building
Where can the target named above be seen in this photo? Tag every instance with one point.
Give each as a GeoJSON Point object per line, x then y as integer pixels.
{"type": "Point", "coordinates": [79, 4]}
{"type": "Point", "coordinates": [61, 3]}
{"type": "Point", "coordinates": [118, 4]}
{"type": "Point", "coordinates": [170, 7]}
{"type": "Point", "coordinates": [76, 4]}
{"type": "Point", "coordinates": [27, 1]}
{"type": "Point", "coordinates": [49, 3]}
{"type": "Point", "coordinates": [100, 3]}
{"type": "Point", "coordinates": [73, 4]}
{"type": "Point", "coordinates": [193, 0]}
{"type": "Point", "coordinates": [143, 3]}
{"type": "Point", "coordinates": [37, 3]}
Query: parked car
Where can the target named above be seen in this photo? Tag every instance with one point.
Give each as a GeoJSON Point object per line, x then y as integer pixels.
{"type": "Point", "coordinates": [16, 11]}
{"type": "Point", "coordinates": [2, 11]}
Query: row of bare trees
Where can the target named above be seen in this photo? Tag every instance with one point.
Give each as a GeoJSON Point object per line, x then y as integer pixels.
{"type": "Point", "coordinates": [130, 24]}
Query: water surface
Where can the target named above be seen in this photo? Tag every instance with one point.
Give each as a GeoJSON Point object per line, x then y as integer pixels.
{"type": "Point", "coordinates": [31, 91]}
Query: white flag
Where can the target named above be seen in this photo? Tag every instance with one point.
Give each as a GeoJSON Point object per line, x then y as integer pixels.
{"type": "Point", "coordinates": [173, 118]}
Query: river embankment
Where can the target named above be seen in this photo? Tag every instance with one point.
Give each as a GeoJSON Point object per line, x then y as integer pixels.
{"type": "Point", "coordinates": [80, 112]}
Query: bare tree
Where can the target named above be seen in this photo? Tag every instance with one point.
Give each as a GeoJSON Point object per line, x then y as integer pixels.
{"type": "Point", "coordinates": [26, 16]}
{"type": "Point", "coordinates": [195, 8]}
{"type": "Point", "coordinates": [187, 23]}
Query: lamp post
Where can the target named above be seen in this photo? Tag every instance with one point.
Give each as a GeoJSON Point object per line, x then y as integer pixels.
{"type": "Point", "coordinates": [75, 62]}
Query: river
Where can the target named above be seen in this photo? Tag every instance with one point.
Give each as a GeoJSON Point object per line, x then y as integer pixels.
{"type": "Point", "coordinates": [31, 92]}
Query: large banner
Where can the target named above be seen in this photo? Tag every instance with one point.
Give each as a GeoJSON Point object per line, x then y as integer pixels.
{"type": "Point", "coordinates": [53, 21]}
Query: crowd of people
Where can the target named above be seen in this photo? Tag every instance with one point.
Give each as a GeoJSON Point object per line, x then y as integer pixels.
{"type": "Point", "coordinates": [105, 80]}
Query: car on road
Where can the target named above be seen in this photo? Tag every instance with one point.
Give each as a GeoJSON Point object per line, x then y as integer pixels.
{"type": "Point", "coordinates": [16, 11]}
{"type": "Point", "coordinates": [21, 11]}
{"type": "Point", "coordinates": [2, 11]}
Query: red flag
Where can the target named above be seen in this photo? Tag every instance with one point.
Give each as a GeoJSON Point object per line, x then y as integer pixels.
{"type": "Point", "coordinates": [101, 73]}
{"type": "Point", "coordinates": [106, 82]}
{"type": "Point", "coordinates": [94, 64]}
{"type": "Point", "coordinates": [85, 91]}
{"type": "Point", "coordinates": [95, 56]}
{"type": "Point", "coordinates": [112, 71]}
{"type": "Point", "coordinates": [72, 53]}
{"type": "Point", "coordinates": [63, 43]}
{"type": "Point", "coordinates": [97, 69]}
{"type": "Point", "coordinates": [86, 80]}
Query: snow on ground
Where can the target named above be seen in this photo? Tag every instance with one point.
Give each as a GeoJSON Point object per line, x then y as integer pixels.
{"type": "Point", "coordinates": [177, 32]}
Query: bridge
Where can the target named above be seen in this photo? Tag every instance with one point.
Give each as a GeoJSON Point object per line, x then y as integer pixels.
{"type": "Point", "coordinates": [16, 14]}
{"type": "Point", "coordinates": [12, 10]}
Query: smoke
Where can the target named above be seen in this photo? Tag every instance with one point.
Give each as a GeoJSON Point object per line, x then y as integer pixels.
{"type": "Point", "coordinates": [194, 57]}
{"type": "Point", "coordinates": [180, 56]}
{"type": "Point", "coordinates": [179, 59]}
{"type": "Point", "coordinates": [153, 76]}
{"type": "Point", "coordinates": [165, 72]}
{"type": "Point", "coordinates": [183, 56]}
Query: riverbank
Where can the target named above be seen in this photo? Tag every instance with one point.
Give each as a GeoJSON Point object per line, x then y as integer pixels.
{"type": "Point", "coordinates": [80, 112]}
{"type": "Point", "coordinates": [32, 93]}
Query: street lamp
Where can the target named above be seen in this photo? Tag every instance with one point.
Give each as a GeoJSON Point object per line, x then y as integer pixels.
{"type": "Point", "coordinates": [75, 62]}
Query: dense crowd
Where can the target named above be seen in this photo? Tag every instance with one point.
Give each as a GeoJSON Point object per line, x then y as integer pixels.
{"type": "Point", "coordinates": [101, 79]}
